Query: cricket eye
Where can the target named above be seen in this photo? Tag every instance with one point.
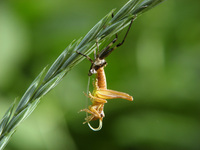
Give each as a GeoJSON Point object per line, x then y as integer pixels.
{"type": "Point", "coordinates": [92, 71]}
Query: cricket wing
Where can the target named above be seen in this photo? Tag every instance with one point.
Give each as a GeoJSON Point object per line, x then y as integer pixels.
{"type": "Point", "coordinates": [111, 94]}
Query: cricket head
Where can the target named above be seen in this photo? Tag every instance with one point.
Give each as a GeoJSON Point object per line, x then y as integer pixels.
{"type": "Point", "coordinates": [98, 63]}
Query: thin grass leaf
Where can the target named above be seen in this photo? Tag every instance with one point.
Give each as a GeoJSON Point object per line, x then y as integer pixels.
{"type": "Point", "coordinates": [6, 118]}
{"type": "Point", "coordinates": [44, 89]}
{"type": "Point", "coordinates": [124, 10]}
{"type": "Point", "coordinates": [5, 139]}
{"type": "Point", "coordinates": [59, 61]}
{"type": "Point", "coordinates": [75, 58]}
{"type": "Point", "coordinates": [145, 6]}
{"type": "Point", "coordinates": [14, 122]}
{"type": "Point", "coordinates": [32, 107]}
{"type": "Point", "coordinates": [29, 93]}
{"type": "Point", "coordinates": [111, 28]}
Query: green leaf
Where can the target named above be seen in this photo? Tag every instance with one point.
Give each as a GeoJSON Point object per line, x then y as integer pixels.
{"type": "Point", "coordinates": [124, 10]}
{"type": "Point", "coordinates": [15, 121]}
{"type": "Point", "coordinates": [110, 29]}
{"type": "Point", "coordinates": [6, 118]}
{"type": "Point", "coordinates": [45, 88]}
{"type": "Point", "coordinates": [146, 5]}
{"type": "Point", "coordinates": [29, 93]}
{"type": "Point", "coordinates": [53, 70]}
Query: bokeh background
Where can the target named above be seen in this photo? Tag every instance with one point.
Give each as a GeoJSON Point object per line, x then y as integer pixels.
{"type": "Point", "coordinates": [158, 65]}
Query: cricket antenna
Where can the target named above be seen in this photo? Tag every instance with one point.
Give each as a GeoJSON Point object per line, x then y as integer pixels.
{"type": "Point", "coordinates": [96, 129]}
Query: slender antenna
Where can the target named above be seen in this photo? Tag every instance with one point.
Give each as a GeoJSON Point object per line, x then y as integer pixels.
{"type": "Point", "coordinates": [85, 56]}
{"type": "Point", "coordinates": [98, 128]}
{"type": "Point", "coordinates": [88, 88]}
{"type": "Point", "coordinates": [97, 55]}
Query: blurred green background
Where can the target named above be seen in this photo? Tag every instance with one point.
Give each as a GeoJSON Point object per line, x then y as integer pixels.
{"type": "Point", "coordinates": [158, 65]}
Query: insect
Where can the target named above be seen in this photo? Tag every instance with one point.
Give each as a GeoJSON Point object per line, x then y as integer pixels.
{"type": "Point", "coordinates": [98, 99]}
{"type": "Point", "coordinates": [100, 92]}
